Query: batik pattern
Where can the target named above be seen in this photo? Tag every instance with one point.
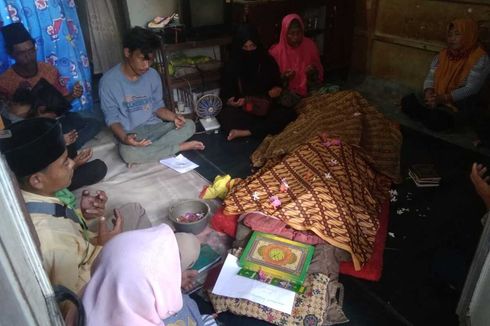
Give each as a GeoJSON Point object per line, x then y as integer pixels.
{"type": "Point", "coordinates": [325, 186]}
{"type": "Point", "coordinates": [345, 115]}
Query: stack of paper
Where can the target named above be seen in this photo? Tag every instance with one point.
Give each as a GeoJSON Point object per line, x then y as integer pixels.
{"type": "Point", "coordinates": [232, 285]}
{"type": "Point", "coordinates": [179, 163]}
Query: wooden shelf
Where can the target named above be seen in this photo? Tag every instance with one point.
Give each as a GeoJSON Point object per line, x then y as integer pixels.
{"type": "Point", "coordinates": [194, 79]}
{"type": "Point", "coordinates": [220, 41]}
{"type": "Point", "coordinates": [204, 77]}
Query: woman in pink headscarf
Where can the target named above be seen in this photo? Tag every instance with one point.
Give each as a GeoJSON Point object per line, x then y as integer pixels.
{"type": "Point", "coordinates": [297, 56]}
{"type": "Point", "coordinates": [136, 281]}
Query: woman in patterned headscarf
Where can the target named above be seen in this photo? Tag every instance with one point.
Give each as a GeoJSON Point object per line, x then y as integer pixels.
{"type": "Point", "coordinates": [457, 73]}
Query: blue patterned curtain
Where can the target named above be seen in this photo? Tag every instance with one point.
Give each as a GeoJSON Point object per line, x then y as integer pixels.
{"type": "Point", "coordinates": [55, 26]}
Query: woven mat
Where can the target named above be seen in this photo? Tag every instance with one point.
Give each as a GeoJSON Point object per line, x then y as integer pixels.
{"type": "Point", "coordinates": [153, 185]}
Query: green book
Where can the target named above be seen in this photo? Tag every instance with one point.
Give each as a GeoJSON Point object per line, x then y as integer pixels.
{"type": "Point", "coordinates": [207, 259]}
{"type": "Point", "coordinates": [277, 261]}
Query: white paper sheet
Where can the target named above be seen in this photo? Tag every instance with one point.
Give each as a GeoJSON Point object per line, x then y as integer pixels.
{"type": "Point", "coordinates": [179, 163]}
{"type": "Point", "coordinates": [230, 284]}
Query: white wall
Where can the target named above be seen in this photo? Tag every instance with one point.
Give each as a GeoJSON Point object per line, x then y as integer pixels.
{"type": "Point", "coordinates": [142, 11]}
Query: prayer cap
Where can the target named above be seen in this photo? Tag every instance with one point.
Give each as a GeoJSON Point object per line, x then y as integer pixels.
{"type": "Point", "coordinates": [14, 34]}
{"type": "Point", "coordinates": [33, 146]}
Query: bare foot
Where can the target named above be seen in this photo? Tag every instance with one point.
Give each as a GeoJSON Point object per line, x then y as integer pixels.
{"type": "Point", "coordinates": [237, 133]}
{"type": "Point", "coordinates": [190, 145]}
{"type": "Point", "coordinates": [83, 157]}
{"type": "Point", "coordinates": [188, 278]}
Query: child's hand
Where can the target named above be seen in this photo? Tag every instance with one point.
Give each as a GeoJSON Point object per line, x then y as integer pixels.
{"type": "Point", "coordinates": [77, 90]}
{"type": "Point", "coordinates": [188, 278]}
{"type": "Point", "coordinates": [70, 137]}
{"type": "Point", "coordinates": [83, 157]}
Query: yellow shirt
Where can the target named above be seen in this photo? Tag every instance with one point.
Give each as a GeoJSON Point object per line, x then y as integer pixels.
{"type": "Point", "coordinates": [67, 256]}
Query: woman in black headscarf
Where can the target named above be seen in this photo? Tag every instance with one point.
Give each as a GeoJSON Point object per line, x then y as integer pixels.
{"type": "Point", "coordinates": [252, 76]}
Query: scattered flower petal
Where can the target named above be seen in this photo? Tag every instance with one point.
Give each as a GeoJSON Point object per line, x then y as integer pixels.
{"type": "Point", "coordinates": [275, 202]}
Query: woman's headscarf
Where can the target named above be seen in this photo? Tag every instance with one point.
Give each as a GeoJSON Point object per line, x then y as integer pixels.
{"type": "Point", "coordinates": [135, 280]}
{"type": "Point", "coordinates": [247, 62]}
{"type": "Point", "coordinates": [296, 59]}
{"type": "Point", "coordinates": [454, 69]}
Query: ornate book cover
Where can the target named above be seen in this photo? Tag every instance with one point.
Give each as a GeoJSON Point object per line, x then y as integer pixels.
{"type": "Point", "coordinates": [276, 260]}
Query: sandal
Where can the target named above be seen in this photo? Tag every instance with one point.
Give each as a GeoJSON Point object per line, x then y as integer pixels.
{"type": "Point", "coordinates": [160, 22]}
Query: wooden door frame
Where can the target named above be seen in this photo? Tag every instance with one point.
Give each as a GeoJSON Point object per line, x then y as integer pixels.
{"type": "Point", "coordinates": [27, 296]}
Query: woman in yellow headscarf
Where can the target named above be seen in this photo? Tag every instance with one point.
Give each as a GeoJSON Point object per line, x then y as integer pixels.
{"type": "Point", "coordinates": [456, 74]}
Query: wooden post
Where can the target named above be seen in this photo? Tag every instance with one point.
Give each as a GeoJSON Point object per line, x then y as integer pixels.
{"type": "Point", "coordinates": [372, 13]}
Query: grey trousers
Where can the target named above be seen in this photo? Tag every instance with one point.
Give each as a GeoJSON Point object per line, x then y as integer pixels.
{"type": "Point", "coordinates": [135, 218]}
{"type": "Point", "coordinates": [165, 140]}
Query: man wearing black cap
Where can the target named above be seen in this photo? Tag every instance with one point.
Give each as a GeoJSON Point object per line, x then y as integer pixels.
{"type": "Point", "coordinates": [27, 72]}
{"type": "Point", "coordinates": [37, 155]}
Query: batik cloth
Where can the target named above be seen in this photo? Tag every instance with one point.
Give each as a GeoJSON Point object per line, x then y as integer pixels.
{"type": "Point", "coordinates": [325, 186]}
{"type": "Point", "coordinates": [345, 115]}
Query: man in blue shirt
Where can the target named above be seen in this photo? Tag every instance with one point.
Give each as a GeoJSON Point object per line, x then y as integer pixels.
{"type": "Point", "coordinates": [132, 101]}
